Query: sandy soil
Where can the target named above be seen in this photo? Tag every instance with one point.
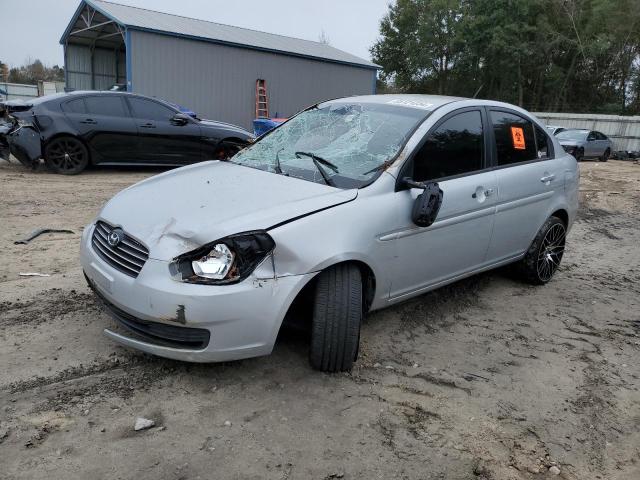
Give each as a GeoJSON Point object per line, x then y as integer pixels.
{"type": "Point", "coordinates": [487, 378]}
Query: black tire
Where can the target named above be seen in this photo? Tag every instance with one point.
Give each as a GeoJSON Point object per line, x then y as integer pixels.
{"type": "Point", "coordinates": [66, 155]}
{"type": "Point", "coordinates": [605, 156]}
{"type": "Point", "coordinates": [579, 155]}
{"type": "Point", "coordinates": [337, 315]}
{"type": "Point", "coordinates": [545, 253]}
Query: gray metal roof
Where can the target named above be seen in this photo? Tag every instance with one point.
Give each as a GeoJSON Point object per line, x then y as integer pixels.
{"type": "Point", "coordinates": [143, 19]}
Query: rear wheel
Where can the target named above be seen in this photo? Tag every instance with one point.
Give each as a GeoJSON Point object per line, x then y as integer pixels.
{"type": "Point", "coordinates": [66, 155]}
{"type": "Point", "coordinates": [337, 315]}
{"type": "Point", "coordinates": [545, 253]}
{"type": "Point", "coordinates": [605, 156]}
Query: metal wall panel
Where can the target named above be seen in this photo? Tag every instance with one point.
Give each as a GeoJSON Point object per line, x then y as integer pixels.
{"type": "Point", "coordinates": [104, 68]}
{"type": "Point", "coordinates": [122, 67]}
{"type": "Point", "coordinates": [78, 67]}
{"type": "Point", "coordinates": [219, 81]}
{"type": "Point", "coordinates": [623, 131]}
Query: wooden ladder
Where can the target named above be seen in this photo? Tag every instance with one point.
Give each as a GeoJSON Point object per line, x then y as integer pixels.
{"type": "Point", "coordinates": [262, 102]}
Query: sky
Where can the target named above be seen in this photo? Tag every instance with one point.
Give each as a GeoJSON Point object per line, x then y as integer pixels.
{"type": "Point", "coordinates": [32, 28]}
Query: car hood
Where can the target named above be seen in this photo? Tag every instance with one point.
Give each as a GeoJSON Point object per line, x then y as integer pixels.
{"type": "Point", "coordinates": [178, 211]}
{"type": "Point", "coordinates": [569, 143]}
{"type": "Point", "coordinates": [225, 126]}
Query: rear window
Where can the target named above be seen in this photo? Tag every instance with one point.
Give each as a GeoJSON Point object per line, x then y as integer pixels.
{"type": "Point", "coordinates": [515, 140]}
{"type": "Point", "coordinates": [105, 105]}
{"type": "Point", "coordinates": [542, 141]}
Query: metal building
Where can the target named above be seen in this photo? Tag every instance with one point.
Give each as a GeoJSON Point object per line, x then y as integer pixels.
{"type": "Point", "coordinates": [208, 67]}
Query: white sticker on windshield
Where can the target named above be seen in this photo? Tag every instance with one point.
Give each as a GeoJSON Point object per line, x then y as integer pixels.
{"type": "Point", "coordinates": [411, 103]}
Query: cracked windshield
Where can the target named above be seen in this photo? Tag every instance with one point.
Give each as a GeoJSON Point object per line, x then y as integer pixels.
{"type": "Point", "coordinates": [340, 144]}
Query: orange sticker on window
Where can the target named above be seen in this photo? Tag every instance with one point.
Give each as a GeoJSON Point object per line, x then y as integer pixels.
{"type": "Point", "coordinates": [517, 135]}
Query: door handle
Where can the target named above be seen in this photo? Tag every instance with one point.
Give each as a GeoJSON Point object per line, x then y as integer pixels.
{"type": "Point", "coordinates": [147, 125]}
{"type": "Point", "coordinates": [89, 121]}
{"type": "Point", "coordinates": [547, 178]}
{"type": "Point", "coordinates": [480, 192]}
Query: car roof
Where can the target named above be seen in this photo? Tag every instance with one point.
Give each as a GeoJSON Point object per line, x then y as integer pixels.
{"type": "Point", "coordinates": [62, 96]}
{"type": "Point", "coordinates": [424, 102]}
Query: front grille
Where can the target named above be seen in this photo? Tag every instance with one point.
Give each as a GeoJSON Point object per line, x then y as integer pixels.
{"type": "Point", "coordinates": [127, 256]}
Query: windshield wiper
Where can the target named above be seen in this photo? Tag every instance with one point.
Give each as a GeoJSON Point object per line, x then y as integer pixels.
{"type": "Point", "coordinates": [318, 162]}
{"type": "Point", "coordinates": [382, 166]}
{"type": "Point", "coordinates": [332, 166]}
{"type": "Point", "coordinates": [277, 167]}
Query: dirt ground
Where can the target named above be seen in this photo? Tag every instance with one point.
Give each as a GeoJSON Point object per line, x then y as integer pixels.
{"type": "Point", "coordinates": [487, 378]}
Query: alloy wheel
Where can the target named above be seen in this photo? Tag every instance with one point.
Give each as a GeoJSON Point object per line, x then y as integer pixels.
{"type": "Point", "coordinates": [551, 251]}
{"type": "Point", "coordinates": [66, 155]}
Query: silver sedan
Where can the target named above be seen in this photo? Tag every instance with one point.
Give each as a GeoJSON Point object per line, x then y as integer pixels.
{"type": "Point", "coordinates": [350, 206]}
{"type": "Point", "coordinates": [586, 144]}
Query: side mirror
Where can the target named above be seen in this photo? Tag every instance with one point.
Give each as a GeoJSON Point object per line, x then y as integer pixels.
{"type": "Point", "coordinates": [180, 119]}
{"type": "Point", "coordinates": [427, 205]}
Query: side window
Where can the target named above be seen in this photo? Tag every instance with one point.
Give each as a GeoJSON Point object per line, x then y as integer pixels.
{"type": "Point", "coordinates": [515, 141]}
{"type": "Point", "coordinates": [591, 137]}
{"type": "Point", "coordinates": [149, 110]}
{"type": "Point", "coordinates": [455, 147]}
{"type": "Point", "coordinates": [107, 105]}
{"type": "Point", "coordinates": [542, 142]}
{"type": "Point", "coordinates": [74, 106]}
{"type": "Point", "coordinates": [601, 136]}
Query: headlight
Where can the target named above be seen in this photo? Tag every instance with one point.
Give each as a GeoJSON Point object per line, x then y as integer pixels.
{"type": "Point", "coordinates": [228, 260]}
{"type": "Point", "coordinates": [215, 264]}
{"type": "Point", "coordinates": [23, 123]}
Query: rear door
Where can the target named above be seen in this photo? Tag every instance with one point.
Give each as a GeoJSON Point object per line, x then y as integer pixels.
{"type": "Point", "coordinates": [527, 177]}
{"type": "Point", "coordinates": [104, 123]}
{"type": "Point", "coordinates": [161, 141]}
{"type": "Point", "coordinates": [453, 154]}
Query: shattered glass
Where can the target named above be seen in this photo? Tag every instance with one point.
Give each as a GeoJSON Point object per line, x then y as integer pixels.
{"type": "Point", "coordinates": [358, 138]}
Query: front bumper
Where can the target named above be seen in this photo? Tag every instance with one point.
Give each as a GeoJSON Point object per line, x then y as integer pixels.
{"type": "Point", "coordinates": [242, 320]}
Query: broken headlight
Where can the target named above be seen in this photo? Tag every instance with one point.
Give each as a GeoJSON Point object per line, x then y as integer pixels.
{"type": "Point", "coordinates": [225, 261]}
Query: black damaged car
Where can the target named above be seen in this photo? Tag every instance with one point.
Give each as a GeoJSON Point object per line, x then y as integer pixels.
{"type": "Point", "coordinates": [74, 130]}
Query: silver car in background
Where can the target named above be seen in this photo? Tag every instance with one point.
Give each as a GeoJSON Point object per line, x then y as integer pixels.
{"type": "Point", "coordinates": [585, 144]}
{"type": "Point", "coordinates": [350, 206]}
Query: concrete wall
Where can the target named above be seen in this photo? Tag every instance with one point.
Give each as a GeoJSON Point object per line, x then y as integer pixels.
{"type": "Point", "coordinates": [18, 91]}
{"type": "Point", "coordinates": [218, 81]}
{"type": "Point", "coordinates": [623, 131]}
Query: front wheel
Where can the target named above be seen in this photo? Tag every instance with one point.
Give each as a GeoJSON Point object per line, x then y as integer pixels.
{"type": "Point", "coordinates": [337, 315]}
{"type": "Point", "coordinates": [545, 253]}
{"type": "Point", "coordinates": [579, 155]}
{"type": "Point", "coordinates": [66, 155]}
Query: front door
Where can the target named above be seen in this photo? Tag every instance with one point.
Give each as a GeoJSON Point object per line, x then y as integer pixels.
{"type": "Point", "coordinates": [161, 141]}
{"type": "Point", "coordinates": [453, 154]}
{"type": "Point", "coordinates": [592, 148]}
{"type": "Point", "coordinates": [103, 121]}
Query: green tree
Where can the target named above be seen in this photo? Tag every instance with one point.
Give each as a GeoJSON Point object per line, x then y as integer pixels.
{"type": "Point", "coordinates": [578, 55]}
{"type": "Point", "coordinates": [33, 71]}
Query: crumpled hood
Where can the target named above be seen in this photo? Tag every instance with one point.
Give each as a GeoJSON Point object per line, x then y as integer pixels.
{"type": "Point", "coordinates": [178, 211]}
{"type": "Point", "coordinates": [568, 143]}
